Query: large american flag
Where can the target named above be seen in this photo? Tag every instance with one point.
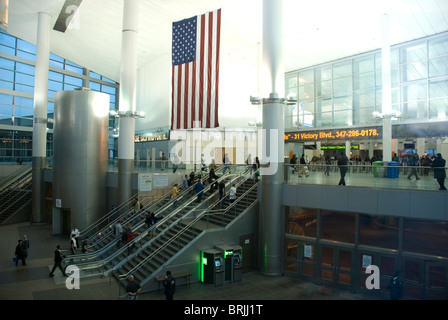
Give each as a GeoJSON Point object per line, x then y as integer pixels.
{"type": "Point", "coordinates": [195, 71]}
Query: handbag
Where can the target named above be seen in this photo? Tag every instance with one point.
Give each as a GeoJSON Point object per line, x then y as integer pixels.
{"type": "Point", "coordinates": [15, 259]}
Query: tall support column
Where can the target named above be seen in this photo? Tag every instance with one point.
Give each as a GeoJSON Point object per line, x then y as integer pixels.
{"type": "Point", "coordinates": [387, 90]}
{"type": "Point", "coordinates": [127, 100]}
{"type": "Point", "coordinates": [40, 115]}
{"type": "Point", "coordinates": [273, 81]}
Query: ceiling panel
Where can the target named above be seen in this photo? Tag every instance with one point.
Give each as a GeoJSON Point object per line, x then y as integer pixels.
{"type": "Point", "coordinates": [315, 31]}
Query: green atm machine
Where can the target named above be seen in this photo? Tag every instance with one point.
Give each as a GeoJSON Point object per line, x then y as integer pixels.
{"type": "Point", "coordinates": [232, 262]}
{"type": "Point", "coordinates": [212, 267]}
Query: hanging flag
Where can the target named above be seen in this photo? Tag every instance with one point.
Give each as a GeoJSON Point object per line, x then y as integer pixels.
{"type": "Point", "coordinates": [195, 71]}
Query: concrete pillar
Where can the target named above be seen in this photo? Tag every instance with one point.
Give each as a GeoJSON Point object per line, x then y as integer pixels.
{"type": "Point", "coordinates": [127, 102]}
{"type": "Point", "coordinates": [40, 115]}
{"type": "Point", "coordinates": [273, 79]}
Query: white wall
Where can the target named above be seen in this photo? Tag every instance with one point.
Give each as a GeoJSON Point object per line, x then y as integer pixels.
{"type": "Point", "coordinates": [236, 84]}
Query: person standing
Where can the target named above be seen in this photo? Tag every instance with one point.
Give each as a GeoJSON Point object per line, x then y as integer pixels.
{"type": "Point", "coordinates": [232, 194]}
{"type": "Point", "coordinates": [221, 190]}
{"type": "Point", "coordinates": [169, 286]}
{"type": "Point", "coordinates": [133, 288]}
{"type": "Point", "coordinates": [343, 167]}
{"type": "Point", "coordinates": [26, 245]}
{"type": "Point", "coordinates": [20, 253]}
{"type": "Point", "coordinates": [137, 206]}
{"type": "Point", "coordinates": [438, 165]}
{"type": "Point", "coordinates": [199, 190]}
{"type": "Point", "coordinates": [75, 234]}
{"type": "Point", "coordinates": [58, 257]}
{"type": "Point", "coordinates": [395, 287]}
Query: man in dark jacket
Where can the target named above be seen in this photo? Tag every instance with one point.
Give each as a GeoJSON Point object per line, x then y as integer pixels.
{"type": "Point", "coordinates": [343, 167]}
{"type": "Point", "coordinates": [438, 166]}
{"type": "Point", "coordinates": [20, 253]}
{"type": "Point", "coordinates": [169, 286]}
{"type": "Point", "coordinates": [58, 257]}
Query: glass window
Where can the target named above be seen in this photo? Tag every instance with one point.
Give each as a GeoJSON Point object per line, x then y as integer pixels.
{"type": "Point", "coordinates": [306, 91]}
{"type": "Point", "coordinates": [72, 80]}
{"type": "Point", "coordinates": [323, 73]}
{"type": "Point", "coordinates": [7, 40]}
{"type": "Point", "coordinates": [6, 85]}
{"type": "Point", "coordinates": [94, 75]}
{"type": "Point", "coordinates": [56, 76]}
{"type": "Point", "coordinates": [301, 221]}
{"type": "Point", "coordinates": [5, 110]}
{"type": "Point", "coordinates": [95, 86]}
{"type": "Point", "coordinates": [24, 102]}
{"type": "Point", "coordinates": [342, 85]}
{"type": "Point", "coordinates": [108, 89]}
{"type": "Point", "coordinates": [291, 82]}
{"type": "Point", "coordinates": [425, 237]}
{"type": "Point", "coordinates": [24, 79]}
{"type": "Point", "coordinates": [23, 112]}
{"type": "Point", "coordinates": [324, 88]}
{"type": "Point", "coordinates": [364, 64]}
{"type": "Point", "coordinates": [378, 231]}
{"type": "Point", "coordinates": [415, 71]}
{"type": "Point", "coordinates": [7, 75]}
{"type": "Point", "coordinates": [5, 99]}
{"type": "Point", "coordinates": [306, 77]}
{"type": "Point", "coordinates": [338, 226]}
{"type": "Point", "coordinates": [25, 68]}
{"type": "Point", "coordinates": [24, 88]}
{"type": "Point", "coordinates": [364, 81]}
{"type": "Point", "coordinates": [342, 69]}
{"type": "Point", "coordinates": [6, 64]}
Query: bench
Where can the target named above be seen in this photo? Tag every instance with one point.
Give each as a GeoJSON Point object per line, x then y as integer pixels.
{"type": "Point", "coordinates": [186, 275]}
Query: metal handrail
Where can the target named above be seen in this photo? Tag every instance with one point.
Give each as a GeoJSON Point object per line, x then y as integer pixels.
{"type": "Point", "coordinates": [200, 216]}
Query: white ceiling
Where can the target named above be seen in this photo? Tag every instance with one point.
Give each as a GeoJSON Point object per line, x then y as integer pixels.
{"type": "Point", "coordinates": [315, 31]}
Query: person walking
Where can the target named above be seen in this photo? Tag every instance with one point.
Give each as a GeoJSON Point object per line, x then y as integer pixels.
{"type": "Point", "coordinates": [232, 194]}
{"type": "Point", "coordinates": [20, 253]}
{"type": "Point", "coordinates": [413, 163]}
{"type": "Point", "coordinates": [343, 167]}
{"type": "Point", "coordinates": [438, 165]}
{"type": "Point", "coordinates": [169, 286]}
{"type": "Point", "coordinates": [58, 257]}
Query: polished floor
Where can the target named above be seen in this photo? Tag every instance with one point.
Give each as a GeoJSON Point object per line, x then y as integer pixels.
{"type": "Point", "coordinates": [31, 282]}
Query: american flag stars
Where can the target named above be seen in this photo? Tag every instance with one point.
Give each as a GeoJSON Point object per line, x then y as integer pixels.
{"type": "Point", "coordinates": [184, 41]}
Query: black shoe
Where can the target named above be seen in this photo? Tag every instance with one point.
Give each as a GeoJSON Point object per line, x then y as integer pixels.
{"type": "Point", "coordinates": [51, 275]}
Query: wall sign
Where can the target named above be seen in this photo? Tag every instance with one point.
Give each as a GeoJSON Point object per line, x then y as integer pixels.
{"type": "Point", "coordinates": [334, 134]}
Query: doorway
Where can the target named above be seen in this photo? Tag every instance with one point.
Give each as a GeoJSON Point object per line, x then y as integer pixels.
{"type": "Point", "coordinates": [66, 222]}
{"type": "Point", "coordinates": [335, 266]}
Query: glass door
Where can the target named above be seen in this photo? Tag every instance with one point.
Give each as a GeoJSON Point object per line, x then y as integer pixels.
{"type": "Point", "coordinates": [306, 259]}
{"type": "Point", "coordinates": [436, 281]}
{"type": "Point", "coordinates": [335, 265]}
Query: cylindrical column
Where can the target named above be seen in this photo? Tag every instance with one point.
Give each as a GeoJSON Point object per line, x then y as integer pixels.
{"type": "Point", "coordinates": [272, 217]}
{"type": "Point", "coordinates": [387, 90]}
{"type": "Point", "coordinates": [127, 100]}
{"type": "Point", "coordinates": [40, 115]}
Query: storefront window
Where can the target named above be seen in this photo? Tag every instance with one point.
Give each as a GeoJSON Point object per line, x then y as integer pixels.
{"type": "Point", "coordinates": [338, 226]}
{"type": "Point", "coordinates": [378, 231]}
{"type": "Point", "coordinates": [301, 221]}
{"type": "Point", "coordinates": [426, 237]}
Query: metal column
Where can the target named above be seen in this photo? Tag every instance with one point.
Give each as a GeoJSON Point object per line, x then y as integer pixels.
{"type": "Point", "coordinates": [40, 115]}
{"type": "Point", "coordinates": [272, 149]}
{"type": "Point", "coordinates": [127, 99]}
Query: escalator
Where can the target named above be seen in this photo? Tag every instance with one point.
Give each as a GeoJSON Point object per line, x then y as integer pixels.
{"type": "Point", "coordinates": [146, 263]}
{"type": "Point", "coordinates": [107, 248]}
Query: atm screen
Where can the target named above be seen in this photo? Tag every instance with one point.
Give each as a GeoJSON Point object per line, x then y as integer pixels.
{"type": "Point", "coordinates": [217, 263]}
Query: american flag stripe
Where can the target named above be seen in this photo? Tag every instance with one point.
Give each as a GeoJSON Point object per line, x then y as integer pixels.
{"type": "Point", "coordinates": [195, 83]}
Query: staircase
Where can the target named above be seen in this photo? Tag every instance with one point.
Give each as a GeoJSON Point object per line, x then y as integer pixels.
{"type": "Point", "coordinates": [15, 193]}
{"type": "Point", "coordinates": [147, 262]}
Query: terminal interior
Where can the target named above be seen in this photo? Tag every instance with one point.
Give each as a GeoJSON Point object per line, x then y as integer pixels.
{"type": "Point", "coordinates": [88, 142]}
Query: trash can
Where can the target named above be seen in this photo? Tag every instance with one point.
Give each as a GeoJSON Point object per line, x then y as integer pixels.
{"type": "Point", "coordinates": [378, 169]}
{"type": "Point", "coordinates": [392, 169]}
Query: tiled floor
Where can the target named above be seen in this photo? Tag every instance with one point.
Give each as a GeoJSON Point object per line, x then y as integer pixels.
{"type": "Point", "coordinates": [31, 282]}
